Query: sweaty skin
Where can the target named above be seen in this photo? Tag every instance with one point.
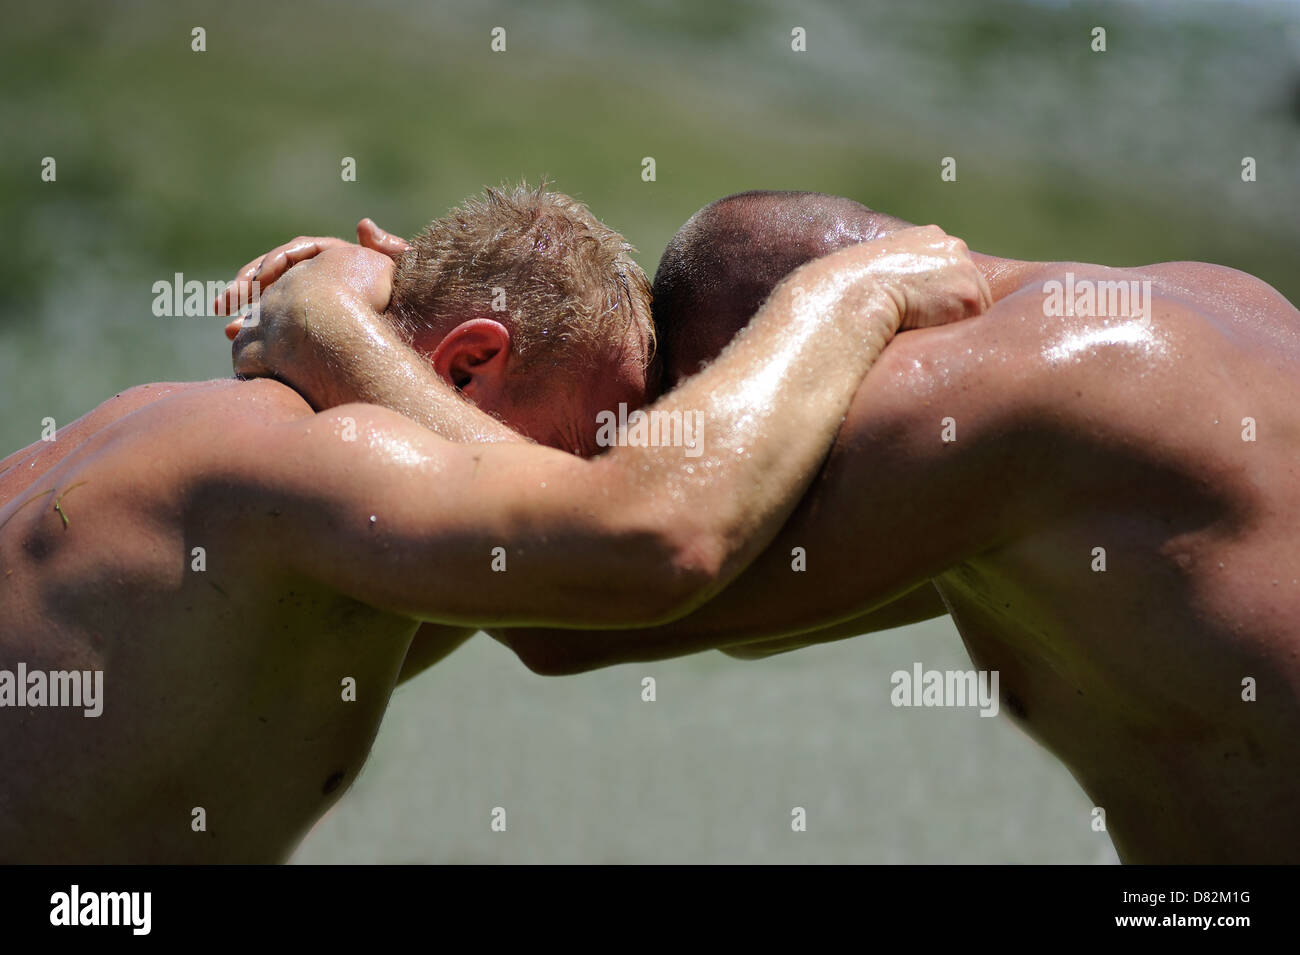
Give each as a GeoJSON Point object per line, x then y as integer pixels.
{"type": "Point", "coordinates": [1071, 434]}
{"type": "Point", "coordinates": [248, 573]}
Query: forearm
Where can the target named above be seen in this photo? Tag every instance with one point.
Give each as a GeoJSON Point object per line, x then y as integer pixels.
{"type": "Point", "coordinates": [376, 366]}
{"type": "Point", "coordinates": [915, 606]}
{"type": "Point", "coordinates": [323, 332]}
{"type": "Point", "coordinates": [649, 531]}
{"type": "Point", "coordinates": [825, 575]}
{"type": "Point", "coordinates": [767, 411]}
{"type": "Point", "coordinates": [638, 536]}
{"type": "Point", "coordinates": [769, 408]}
{"type": "Point", "coordinates": [555, 652]}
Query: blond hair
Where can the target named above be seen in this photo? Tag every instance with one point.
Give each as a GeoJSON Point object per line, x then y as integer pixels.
{"type": "Point", "coordinates": [537, 261]}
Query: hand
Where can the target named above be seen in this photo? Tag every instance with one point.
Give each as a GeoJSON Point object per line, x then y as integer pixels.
{"type": "Point", "coordinates": [928, 273]}
{"type": "Point", "coordinates": [265, 269]}
{"type": "Point", "coordinates": [318, 322]}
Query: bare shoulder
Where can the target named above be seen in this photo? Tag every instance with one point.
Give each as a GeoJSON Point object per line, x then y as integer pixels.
{"type": "Point", "coordinates": [209, 426]}
{"type": "Point", "coordinates": [148, 435]}
{"type": "Point", "coordinates": [1216, 287]}
{"type": "Point", "coordinates": [1085, 364]}
{"type": "Point", "coordinates": [117, 493]}
{"type": "Point", "coordinates": [1099, 331]}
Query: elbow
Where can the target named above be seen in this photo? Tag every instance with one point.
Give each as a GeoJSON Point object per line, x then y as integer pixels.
{"type": "Point", "coordinates": [545, 663]}
{"type": "Point", "coordinates": [545, 655]}
{"type": "Point", "coordinates": [669, 577]}
{"type": "Point", "coordinates": [688, 571]}
{"type": "Point", "coordinates": [556, 653]}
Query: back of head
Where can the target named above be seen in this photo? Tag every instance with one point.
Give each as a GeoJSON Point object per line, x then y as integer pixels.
{"type": "Point", "coordinates": [540, 263]}
{"type": "Point", "coordinates": [721, 266]}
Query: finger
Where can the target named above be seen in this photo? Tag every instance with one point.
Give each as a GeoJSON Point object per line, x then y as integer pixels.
{"type": "Point", "coordinates": [986, 293]}
{"type": "Point", "coordinates": [223, 304]}
{"type": "Point", "coordinates": [270, 267]}
{"type": "Point", "coordinates": [233, 328]}
{"type": "Point", "coordinates": [372, 237]}
{"type": "Point", "coordinates": [281, 260]}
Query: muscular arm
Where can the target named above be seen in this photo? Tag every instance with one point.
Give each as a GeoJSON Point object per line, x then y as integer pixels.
{"type": "Point", "coordinates": [408, 522]}
{"type": "Point", "coordinates": [1043, 423]}
{"type": "Point", "coordinates": [921, 603]}
{"type": "Point", "coordinates": [894, 505]}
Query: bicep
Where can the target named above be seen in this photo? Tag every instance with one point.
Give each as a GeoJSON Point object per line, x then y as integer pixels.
{"type": "Point", "coordinates": [377, 508]}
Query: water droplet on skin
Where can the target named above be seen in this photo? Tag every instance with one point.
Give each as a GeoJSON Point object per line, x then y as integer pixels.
{"type": "Point", "coordinates": [374, 519]}
{"type": "Point", "coordinates": [1220, 565]}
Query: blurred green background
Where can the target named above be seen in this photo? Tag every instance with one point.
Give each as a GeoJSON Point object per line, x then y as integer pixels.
{"type": "Point", "coordinates": [170, 160]}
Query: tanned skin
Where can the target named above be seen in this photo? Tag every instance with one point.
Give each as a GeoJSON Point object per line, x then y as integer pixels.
{"type": "Point", "coordinates": [1072, 433]}
{"type": "Point", "coordinates": [330, 532]}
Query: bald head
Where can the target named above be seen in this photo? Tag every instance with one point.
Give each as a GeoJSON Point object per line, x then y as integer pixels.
{"type": "Point", "coordinates": [721, 265]}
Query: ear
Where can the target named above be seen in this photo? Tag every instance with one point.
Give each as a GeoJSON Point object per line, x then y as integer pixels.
{"type": "Point", "coordinates": [474, 357]}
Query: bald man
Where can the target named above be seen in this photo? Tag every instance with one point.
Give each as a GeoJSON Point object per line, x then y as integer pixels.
{"type": "Point", "coordinates": [1096, 480]}
{"type": "Point", "coordinates": [1099, 480]}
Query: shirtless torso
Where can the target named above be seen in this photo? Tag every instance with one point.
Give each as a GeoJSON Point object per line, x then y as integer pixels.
{"type": "Point", "coordinates": [1067, 434]}
{"type": "Point", "coordinates": [208, 675]}
{"type": "Point", "coordinates": [247, 574]}
{"type": "Point", "coordinates": [1134, 676]}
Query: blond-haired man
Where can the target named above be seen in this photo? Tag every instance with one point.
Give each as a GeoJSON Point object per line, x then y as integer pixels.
{"type": "Point", "coordinates": [246, 569]}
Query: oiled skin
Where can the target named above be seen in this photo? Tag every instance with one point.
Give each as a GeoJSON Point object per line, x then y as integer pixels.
{"type": "Point", "coordinates": [1134, 676]}
{"type": "Point", "coordinates": [247, 573]}
{"type": "Point", "coordinates": [256, 708]}
{"type": "Point", "coordinates": [1072, 433]}
{"type": "Point", "coordinates": [1070, 436]}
